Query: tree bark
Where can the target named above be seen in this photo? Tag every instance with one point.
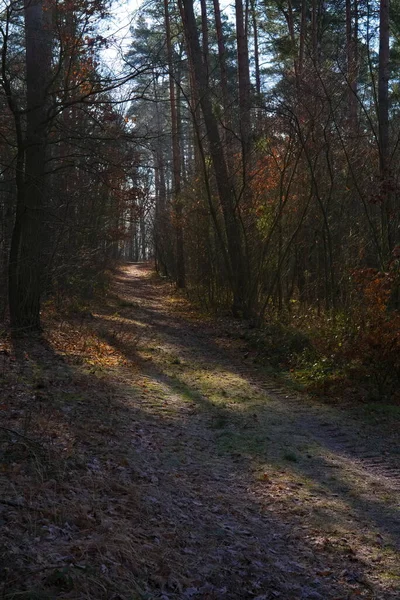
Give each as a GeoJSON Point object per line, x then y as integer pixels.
{"type": "Point", "coordinates": [351, 44]}
{"type": "Point", "coordinates": [383, 119]}
{"type": "Point", "coordinates": [226, 192]}
{"type": "Point", "coordinates": [226, 104]}
{"type": "Point", "coordinates": [256, 49]}
{"type": "Point", "coordinates": [176, 159]}
{"type": "Point", "coordinates": [26, 269]}
{"type": "Point", "coordinates": [243, 84]}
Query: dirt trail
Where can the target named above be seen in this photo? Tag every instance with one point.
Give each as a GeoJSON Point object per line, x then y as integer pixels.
{"type": "Point", "coordinates": [175, 470]}
{"type": "Point", "coordinates": [268, 495]}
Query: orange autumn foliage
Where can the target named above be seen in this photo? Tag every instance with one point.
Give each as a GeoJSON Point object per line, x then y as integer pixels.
{"type": "Point", "coordinates": [376, 318]}
{"type": "Point", "coordinates": [265, 182]}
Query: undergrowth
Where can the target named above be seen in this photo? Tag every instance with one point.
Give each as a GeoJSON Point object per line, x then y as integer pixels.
{"type": "Point", "coordinates": [352, 353]}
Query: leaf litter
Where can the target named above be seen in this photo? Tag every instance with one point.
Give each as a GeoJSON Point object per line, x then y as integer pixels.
{"type": "Point", "coordinates": [141, 459]}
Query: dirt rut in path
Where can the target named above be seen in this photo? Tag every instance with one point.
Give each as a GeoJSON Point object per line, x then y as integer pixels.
{"type": "Point", "coordinates": [264, 494]}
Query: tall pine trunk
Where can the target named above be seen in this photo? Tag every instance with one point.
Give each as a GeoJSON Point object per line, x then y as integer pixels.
{"type": "Point", "coordinates": [176, 159]}
{"type": "Point", "coordinates": [383, 119]}
{"type": "Point", "coordinates": [351, 48]}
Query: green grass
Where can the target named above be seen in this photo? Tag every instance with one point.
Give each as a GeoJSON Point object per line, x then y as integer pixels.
{"type": "Point", "coordinates": [290, 456]}
{"type": "Point", "coordinates": [254, 444]}
{"type": "Point", "coordinates": [127, 303]}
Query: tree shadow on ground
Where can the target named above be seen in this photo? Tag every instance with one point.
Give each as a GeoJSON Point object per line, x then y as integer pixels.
{"type": "Point", "coordinates": [107, 500]}
{"type": "Point", "coordinates": [382, 519]}
{"type": "Point", "coordinates": [243, 432]}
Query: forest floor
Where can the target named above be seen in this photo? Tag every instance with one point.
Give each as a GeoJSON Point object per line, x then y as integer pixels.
{"type": "Point", "coordinates": [143, 455]}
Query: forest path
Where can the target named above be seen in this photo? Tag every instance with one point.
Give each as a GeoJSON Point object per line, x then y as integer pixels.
{"type": "Point", "coordinates": [263, 493]}
{"type": "Point", "coordinates": [145, 457]}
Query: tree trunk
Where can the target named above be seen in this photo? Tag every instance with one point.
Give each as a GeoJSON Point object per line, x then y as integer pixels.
{"type": "Point", "coordinates": [26, 270]}
{"type": "Point", "coordinates": [204, 34]}
{"type": "Point", "coordinates": [176, 159]}
{"type": "Point", "coordinates": [302, 40]}
{"type": "Point", "coordinates": [351, 43]}
{"type": "Point", "coordinates": [226, 104]}
{"type": "Point", "coordinates": [226, 192]}
{"type": "Point", "coordinates": [244, 85]}
{"type": "Point", "coordinates": [383, 118]}
{"type": "Point", "coordinates": [256, 49]}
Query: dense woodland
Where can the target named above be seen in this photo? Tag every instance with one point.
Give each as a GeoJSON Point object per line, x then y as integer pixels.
{"type": "Point", "coordinates": [251, 150]}
{"type": "Point", "coordinates": [199, 300]}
